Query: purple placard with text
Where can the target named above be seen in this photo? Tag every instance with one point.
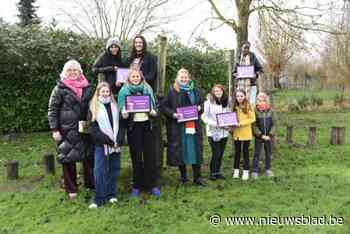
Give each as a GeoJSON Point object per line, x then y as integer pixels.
{"type": "Point", "coordinates": [245, 72]}
{"type": "Point", "coordinates": [122, 74]}
{"type": "Point", "coordinates": [137, 104]}
{"type": "Point", "coordinates": [187, 113]}
{"type": "Point", "coordinates": [227, 119]}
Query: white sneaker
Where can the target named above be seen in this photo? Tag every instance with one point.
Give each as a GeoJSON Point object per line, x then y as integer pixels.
{"type": "Point", "coordinates": [92, 206]}
{"type": "Point", "coordinates": [113, 200]}
{"type": "Point", "coordinates": [245, 175]}
{"type": "Point", "coordinates": [254, 175]}
{"type": "Point", "coordinates": [235, 173]}
{"type": "Point", "coordinates": [268, 173]}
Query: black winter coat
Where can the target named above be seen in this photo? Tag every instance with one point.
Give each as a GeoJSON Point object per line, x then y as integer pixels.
{"type": "Point", "coordinates": [104, 64]}
{"type": "Point", "coordinates": [168, 107]}
{"type": "Point", "coordinates": [64, 113]}
{"type": "Point", "coordinates": [149, 68]}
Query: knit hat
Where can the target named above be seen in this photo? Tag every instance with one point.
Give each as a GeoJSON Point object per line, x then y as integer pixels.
{"type": "Point", "coordinates": [112, 41]}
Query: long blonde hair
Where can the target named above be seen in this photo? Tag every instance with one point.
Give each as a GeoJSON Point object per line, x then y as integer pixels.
{"type": "Point", "coordinates": [94, 100]}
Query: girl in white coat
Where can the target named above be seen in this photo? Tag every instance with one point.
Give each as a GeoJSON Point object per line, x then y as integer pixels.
{"type": "Point", "coordinates": [217, 102]}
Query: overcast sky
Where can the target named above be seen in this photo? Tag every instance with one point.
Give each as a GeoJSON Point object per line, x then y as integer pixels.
{"type": "Point", "coordinates": [222, 37]}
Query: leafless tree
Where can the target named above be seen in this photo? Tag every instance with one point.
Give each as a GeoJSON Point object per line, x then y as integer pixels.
{"type": "Point", "coordinates": [121, 18]}
{"type": "Point", "coordinates": [307, 15]}
{"type": "Point", "coordinates": [278, 46]}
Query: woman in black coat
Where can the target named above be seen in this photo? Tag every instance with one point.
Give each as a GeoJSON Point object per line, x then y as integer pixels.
{"type": "Point", "coordinates": [108, 63]}
{"type": "Point", "coordinates": [185, 140]}
{"type": "Point", "coordinates": [67, 113]}
{"type": "Point", "coordinates": [145, 60]}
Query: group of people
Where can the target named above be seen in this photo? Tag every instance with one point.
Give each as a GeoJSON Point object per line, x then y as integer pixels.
{"type": "Point", "coordinates": [90, 126]}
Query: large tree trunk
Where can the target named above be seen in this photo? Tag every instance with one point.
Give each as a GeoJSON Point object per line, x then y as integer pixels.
{"type": "Point", "coordinates": [242, 25]}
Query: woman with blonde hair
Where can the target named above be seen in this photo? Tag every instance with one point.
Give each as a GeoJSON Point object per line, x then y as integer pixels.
{"type": "Point", "coordinates": [185, 139]}
{"type": "Point", "coordinates": [104, 117]}
{"type": "Point", "coordinates": [140, 134]}
{"type": "Point", "coordinates": [67, 114]}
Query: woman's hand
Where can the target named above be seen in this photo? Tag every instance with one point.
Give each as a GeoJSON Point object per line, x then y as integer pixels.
{"type": "Point", "coordinates": [56, 135]}
{"type": "Point", "coordinates": [266, 138]}
{"type": "Point", "coordinates": [118, 83]}
{"type": "Point", "coordinates": [125, 114]}
{"type": "Point", "coordinates": [177, 116]}
{"type": "Point", "coordinates": [153, 113]}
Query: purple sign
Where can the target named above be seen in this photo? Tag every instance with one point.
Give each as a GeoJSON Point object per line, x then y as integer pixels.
{"type": "Point", "coordinates": [245, 72]}
{"type": "Point", "coordinates": [227, 119]}
{"type": "Point", "coordinates": [137, 104]}
{"type": "Point", "coordinates": [187, 113]}
{"type": "Point", "coordinates": [122, 74]}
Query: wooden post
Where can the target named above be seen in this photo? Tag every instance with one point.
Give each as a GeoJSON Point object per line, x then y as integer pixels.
{"type": "Point", "coordinates": [49, 163]}
{"type": "Point", "coordinates": [338, 136]}
{"type": "Point", "coordinates": [12, 170]}
{"type": "Point", "coordinates": [289, 137]}
{"type": "Point", "coordinates": [341, 135]}
{"type": "Point", "coordinates": [162, 54]}
{"type": "Point", "coordinates": [312, 136]}
{"type": "Point", "coordinates": [158, 123]}
{"type": "Point", "coordinates": [230, 58]}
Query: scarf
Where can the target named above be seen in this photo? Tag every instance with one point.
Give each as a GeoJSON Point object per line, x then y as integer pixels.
{"type": "Point", "coordinates": [129, 89]}
{"type": "Point", "coordinates": [77, 85]}
{"type": "Point", "coordinates": [105, 125]}
{"type": "Point", "coordinates": [263, 106]}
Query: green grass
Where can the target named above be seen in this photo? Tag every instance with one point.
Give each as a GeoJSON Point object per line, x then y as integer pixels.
{"type": "Point", "coordinates": [308, 181]}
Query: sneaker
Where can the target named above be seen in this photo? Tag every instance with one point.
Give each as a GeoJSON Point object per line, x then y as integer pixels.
{"type": "Point", "coordinates": [199, 182]}
{"type": "Point", "coordinates": [254, 175]}
{"type": "Point", "coordinates": [220, 177]}
{"type": "Point", "coordinates": [113, 200]}
{"type": "Point", "coordinates": [155, 192]}
{"type": "Point", "coordinates": [135, 192]}
{"type": "Point", "coordinates": [235, 174]}
{"type": "Point", "coordinates": [268, 173]}
{"type": "Point", "coordinates": [72, 195]}
{"type": "Point", "coordinates": [212, 177]}
{"type": "Point", "coordinates": [93, 206]}
{"type": "Point", "coordinates": [245, 175]}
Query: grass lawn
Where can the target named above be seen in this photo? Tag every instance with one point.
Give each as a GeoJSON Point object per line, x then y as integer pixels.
{"type": "Point", "coordinates": [309, 181]}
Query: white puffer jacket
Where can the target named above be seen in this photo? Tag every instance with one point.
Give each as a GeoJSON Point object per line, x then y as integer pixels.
{"type": "Point", "coordinates": [209, 118]}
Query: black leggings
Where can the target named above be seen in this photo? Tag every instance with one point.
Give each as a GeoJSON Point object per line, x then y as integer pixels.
{"type": "Point", "coordinates": [238, 149]}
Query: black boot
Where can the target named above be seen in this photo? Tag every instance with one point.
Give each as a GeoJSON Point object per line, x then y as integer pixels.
{"type": "Point", "coordinates": [183, 173]}
{"type": "Point", "coordinates": [197, 175]}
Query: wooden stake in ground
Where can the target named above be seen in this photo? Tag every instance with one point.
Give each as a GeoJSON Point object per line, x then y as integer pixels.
{"type": "Point", "coordinates": [12, 170]}
{"type": "Point", "coordinates": [338, 136]}
{"type": "Point", "coordinates": [289, 137]}
{"type": "Point", "coordinates": [312, 136]}
{"type": "Point", "coordinates": [49, 163]}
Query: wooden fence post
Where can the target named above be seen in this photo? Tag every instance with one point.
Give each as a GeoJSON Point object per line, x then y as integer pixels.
{"type": "Point", "coordinates": [162, 55]}
{"type": "Point", "coordinates": [158, 123]}
{"type": "Point", "coordinates": [12, 170]}
{"type": "Point", "coordinates": [49, 163]}
{"type": "Point", "coordinates": [312, 136]}
{"type": "Point", "coordinates": [230, 59]}
{"type": "Point", "coordinates": [338, 136]}
{"type": "Point", "coordinates": [289, 137]}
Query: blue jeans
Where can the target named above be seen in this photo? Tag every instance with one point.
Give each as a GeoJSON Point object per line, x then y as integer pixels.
{"type": "Point", "coordinates": [106, 171]}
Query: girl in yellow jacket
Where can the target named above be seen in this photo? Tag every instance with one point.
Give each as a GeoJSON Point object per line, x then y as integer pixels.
{"type": "Point", "coordinates": [242, 134]}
